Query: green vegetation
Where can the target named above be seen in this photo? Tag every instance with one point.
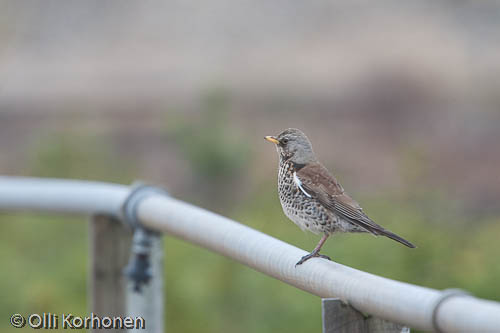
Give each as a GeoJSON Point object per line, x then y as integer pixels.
{"type": "Point", "coordinates": [214, 152]}
{"type": "Point", "coordinates": [44, 258]}
{"type": "Point", "coordinates": [70, 155]}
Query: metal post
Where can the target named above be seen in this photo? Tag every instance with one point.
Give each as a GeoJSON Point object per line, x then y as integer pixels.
{"type": "Point", "coordinates": [146, 300]}
{"type": "Point", "coordinates": [109, 250]}
{"type": "Point", "coordinates": [340, 317]}
{"type": "Point", "coordinates": [145, 268]}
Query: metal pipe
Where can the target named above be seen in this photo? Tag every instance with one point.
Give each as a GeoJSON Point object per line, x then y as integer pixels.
{"type": "Point", "coordinates": [418, 307]}
{"type": "Point", "coordinates": [384, 298]}
{"type": "Point", "coordinates": [148, 302]}
{"type": "Point", "coordinates": [61, 196]}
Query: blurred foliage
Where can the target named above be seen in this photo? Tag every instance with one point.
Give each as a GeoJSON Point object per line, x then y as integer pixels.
{"type": "Point", "coordinates": [44, 258]}
{"type": "Point", "coordinates": [68, 155]}
{"type": "Point", "coordinates": [44, 265]}
{"type": "Point", "coordinates": [212, 149]}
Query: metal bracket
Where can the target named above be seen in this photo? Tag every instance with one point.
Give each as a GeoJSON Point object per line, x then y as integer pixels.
{"type": "Point", "coordinates": [445, 295]}
{"type": "Point", "coordinates": [139, 192]}
{"type": "Point", "coordinates": [138, 269]}
{"type": "Point", "coordinates": [340, 317]}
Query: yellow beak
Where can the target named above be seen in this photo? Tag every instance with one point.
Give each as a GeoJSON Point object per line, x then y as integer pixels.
{"type": "Point", "coordinates": [272, 139]}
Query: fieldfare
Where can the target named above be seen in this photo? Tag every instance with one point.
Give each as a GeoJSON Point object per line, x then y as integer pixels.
{"type": "Point", "coordinates": [311, 196]}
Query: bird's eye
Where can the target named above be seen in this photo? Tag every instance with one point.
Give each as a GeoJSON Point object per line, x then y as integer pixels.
{"type": "Point", "coordinates": [284, 141]}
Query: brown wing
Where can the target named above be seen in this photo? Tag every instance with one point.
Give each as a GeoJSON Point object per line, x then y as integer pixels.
{"type": "Point", "coordinates": [322, 185]}
{"type": "Point", "coordinates": [318, 182]}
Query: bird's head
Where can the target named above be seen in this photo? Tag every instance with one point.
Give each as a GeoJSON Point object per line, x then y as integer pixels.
{"type": "Point", "coordinates": [293, 145]}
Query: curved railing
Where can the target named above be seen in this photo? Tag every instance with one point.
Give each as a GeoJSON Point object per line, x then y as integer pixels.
{"type": "Point", "coordinates": [414, 306]}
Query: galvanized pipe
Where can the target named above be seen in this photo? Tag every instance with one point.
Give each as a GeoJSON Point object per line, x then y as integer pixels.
{"type": "Point", "coordinates": [415, 306]}
{"type": "Point", "coordinates": [61, 196]}
{"type": "Point", "coordinates": [384, 298]}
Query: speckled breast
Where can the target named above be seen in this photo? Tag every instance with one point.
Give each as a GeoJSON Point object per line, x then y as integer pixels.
{"type": "Point", "coordinates": [305, 212]}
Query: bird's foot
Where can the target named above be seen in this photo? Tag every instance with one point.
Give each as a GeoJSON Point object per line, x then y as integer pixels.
{"type": "Point", "coordinates": [311, 255]}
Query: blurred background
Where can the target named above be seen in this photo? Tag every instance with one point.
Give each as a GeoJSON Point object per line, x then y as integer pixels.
{"type": "Point", "coordinates": [401, 100]}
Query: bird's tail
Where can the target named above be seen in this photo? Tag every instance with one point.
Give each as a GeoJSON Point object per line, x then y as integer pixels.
{"type": "Point", "coordinates": [395, 237]}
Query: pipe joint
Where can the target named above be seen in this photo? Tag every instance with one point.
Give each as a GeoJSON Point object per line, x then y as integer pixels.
{"type": "Point", "coordinates": [138, 269]}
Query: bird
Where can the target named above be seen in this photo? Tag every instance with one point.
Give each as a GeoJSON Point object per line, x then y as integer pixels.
{"type": "Point", "coordinates": [313, 198]}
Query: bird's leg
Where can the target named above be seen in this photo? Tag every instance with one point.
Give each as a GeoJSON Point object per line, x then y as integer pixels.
{"type": "Point", "coordinates": [315, 252]}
